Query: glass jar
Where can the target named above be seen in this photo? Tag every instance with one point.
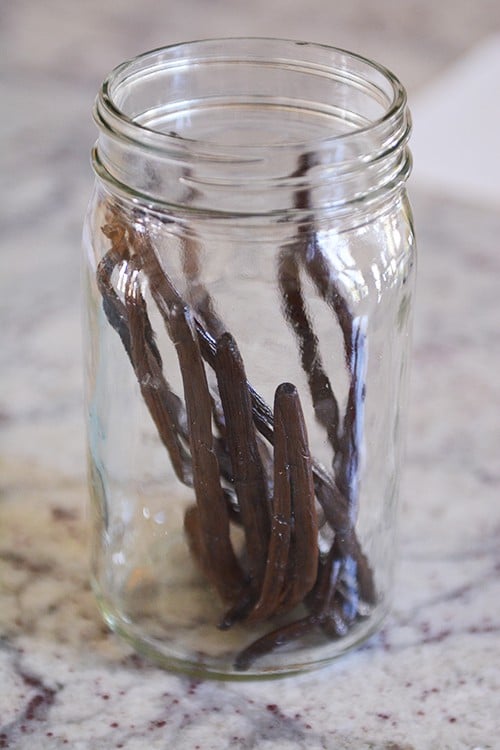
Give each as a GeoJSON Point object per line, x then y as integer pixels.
{"type": "Point", "coordinates": [249, 272]}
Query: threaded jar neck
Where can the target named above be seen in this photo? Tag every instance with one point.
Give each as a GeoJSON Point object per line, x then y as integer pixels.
{"type": "Point", "coordinates": [253, 127]}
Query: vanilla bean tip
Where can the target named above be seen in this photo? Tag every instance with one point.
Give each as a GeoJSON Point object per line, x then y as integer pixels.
{"type": "Point", "coordinates": [227, 341]}
{"type": "Point", "coordinates": [286, 389]}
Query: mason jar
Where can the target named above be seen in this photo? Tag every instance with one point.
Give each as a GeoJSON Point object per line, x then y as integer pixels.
{"type": "Point", "coordinates": [249, 267]}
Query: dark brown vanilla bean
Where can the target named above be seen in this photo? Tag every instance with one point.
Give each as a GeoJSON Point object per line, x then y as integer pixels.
{"type": "Point", "coordinates": [223, 567]}
{"type": "Point", "coordinates": [335, 611]}
{"type": "Point", "coordinates": [198, 297]}
{"type": "Point", "coordinates": [329, 571]}
{"type": "Point", "coordinates": [366, 582]}
{"type": "Point", "coordinates": [303, 555]}
{"type": "Point", "coordinates": [165, 407]}
{"type": "Point", "coordinates": [325, 613]}
{"type": "Point", "coordinates": [113, 307]}
{"type": "Point", "coordinates": [205, 314]}
{"type": "Point", "coordinates": [292, 559]}
{"type": "Point", "coordinates": [347, 461]}
{"type": "Point", "coordinates": [195, 537]}
{"type": "Point", "coordinates": [320, 602]}
{"type": "Point", "coordinates": [316, 266]}
{"type": "Point", "coordinates": [273, 640]}
{"type": "Point", "coordinates": [247, 471]}
{"type": "Point", "coordinates": [324, 402]}
{"type": "Point", "coordinates": [131, 322]}
{"type": "Point", "coordinates": [339, 499]}
{"type": "Point", "coordinates": [281, 525]}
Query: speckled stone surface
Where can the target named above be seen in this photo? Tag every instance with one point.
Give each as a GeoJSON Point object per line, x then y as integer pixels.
{"type": "Point", "coordinates": [431, 679]}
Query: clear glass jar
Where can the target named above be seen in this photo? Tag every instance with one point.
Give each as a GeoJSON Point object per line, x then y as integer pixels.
{"type": "Point", "coordinates": [249, 272]}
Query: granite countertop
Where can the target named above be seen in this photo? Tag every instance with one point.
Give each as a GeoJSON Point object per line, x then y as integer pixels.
{"type": "Point", "coordinates": [431, 679]}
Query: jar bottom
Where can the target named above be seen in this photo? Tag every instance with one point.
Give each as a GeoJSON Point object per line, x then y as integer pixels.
{"type": "Point", "coordinates": [205, 651]}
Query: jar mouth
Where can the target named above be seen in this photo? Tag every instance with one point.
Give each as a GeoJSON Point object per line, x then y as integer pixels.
{"type": "Point", "coordinates": [251, 113]}
{"type": "Point", "coordinates": [115, 110]}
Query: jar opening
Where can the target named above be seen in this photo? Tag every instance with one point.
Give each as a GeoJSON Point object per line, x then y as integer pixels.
{"type": "Point", "coordinates": [249, 110]}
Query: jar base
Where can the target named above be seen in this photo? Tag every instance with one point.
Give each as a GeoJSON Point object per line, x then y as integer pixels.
{"type": "Point", "coordinates": [281, 663]}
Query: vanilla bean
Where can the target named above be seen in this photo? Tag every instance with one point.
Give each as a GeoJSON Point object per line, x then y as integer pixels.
{"type": "Point", "coordinates": [347, 464]}
{"type": "Point", "coordinates": [198, 296]}
{"type": "Point", "coordinates": [165, 407]}
{"type": "Point", "coordinates": [303, 554]}
{"type": "Point", "coordinates": [273, 640]}
{"type": "Point", "coordinates": [223, 567]}
{"type": "Point", "coordinates": [326, 613]}
{"type": "Point", "coordinates": [247, 471]}
{"type": "Point", "coordinates": [364, 573]}
{"type": "Point", "coordinates": [292, 558]}
{"type": "Point", "coordinates": [206, 316]}
{"type": "Point", "coordinates": [196, 542]}
{"type": "Point", "coordinates": [204, 309]}
{"type": "Point", "coordinates": [317, 267]}
{"type": "Point", "coordinates": [281, 522]}
{"type": "Point", "coordinates": [131, 322]}
{"type": "Point", "coordinates": [357, 576]}
{"type": "Point", "coordinates": [113, 307]}
{"type": "Point", "coordinates": [324, 402]}
{"type": "Point", "coordinates": [329, 571]}
{"type": "Point", "coordinates": [326, 604]}
{"type": "Point", "coordinates": [319, 602]}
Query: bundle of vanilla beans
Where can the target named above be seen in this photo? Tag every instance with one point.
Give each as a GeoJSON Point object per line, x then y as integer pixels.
{"type": "Point", "coordinates": [248, 464]}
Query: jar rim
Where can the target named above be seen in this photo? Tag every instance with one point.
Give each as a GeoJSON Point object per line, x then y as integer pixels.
{"type": "Point", "coordinates": [245, 125]}
{"type": "Point", "coordinates": [109, 116]}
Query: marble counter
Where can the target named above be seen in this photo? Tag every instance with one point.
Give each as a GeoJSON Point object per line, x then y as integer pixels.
{"type": "Point", "coordinates": [431, 679]}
